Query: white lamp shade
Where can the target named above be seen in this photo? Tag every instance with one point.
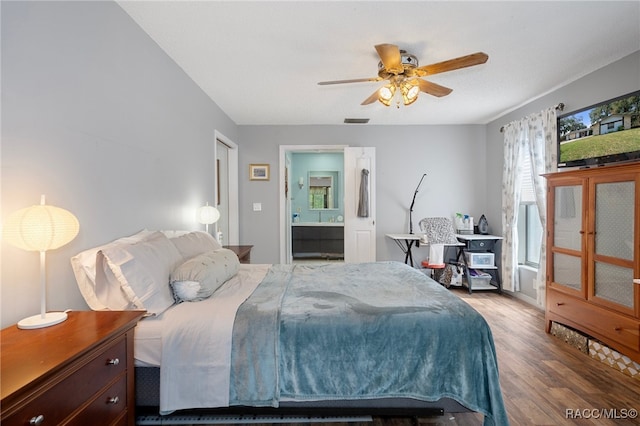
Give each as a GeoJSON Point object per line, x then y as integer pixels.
{"type": "Point", "coordinates": [40, 228]}
{"type": "Point", "coordinates": [207, 215]}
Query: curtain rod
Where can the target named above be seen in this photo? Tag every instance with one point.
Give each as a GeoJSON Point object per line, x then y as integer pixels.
{"type": "Point", "coordinates": [559, 107]}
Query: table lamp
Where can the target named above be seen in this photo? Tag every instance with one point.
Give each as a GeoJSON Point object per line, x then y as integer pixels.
{"type": "Point", "coordinates": [207, 215]}
{"type": "Point", "coordinates": [41, 228]}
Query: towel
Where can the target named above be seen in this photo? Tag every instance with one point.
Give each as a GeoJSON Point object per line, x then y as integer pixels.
{"type": "Point", "coordinates": [363, 204]}
{"type": "Point", "coordinates": [436, 255]}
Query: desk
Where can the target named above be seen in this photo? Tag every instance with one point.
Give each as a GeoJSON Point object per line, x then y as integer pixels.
{"type": "Point", "coordinates": [406, 242]}
{"type": "Point", "coordinates": [479, 243]}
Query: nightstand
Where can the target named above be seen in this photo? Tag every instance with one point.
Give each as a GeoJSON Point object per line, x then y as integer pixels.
{"type": "Point", "coordinates": [78, 372]}
{"type": "Point", "coordinates": [243, 252]}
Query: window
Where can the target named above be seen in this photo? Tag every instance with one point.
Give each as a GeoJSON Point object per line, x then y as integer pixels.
{"type": "Point", "coordinates": [529, 235]}
{"type": "Point", "coordinates": [529, 225]}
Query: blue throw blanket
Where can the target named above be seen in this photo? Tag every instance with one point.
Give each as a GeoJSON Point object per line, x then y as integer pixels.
{"type": "Point", "coordinates": [361, 331]}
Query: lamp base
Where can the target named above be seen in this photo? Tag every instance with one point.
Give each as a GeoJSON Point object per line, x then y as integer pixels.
{"type": "Point", "coordinates": [38, 321]}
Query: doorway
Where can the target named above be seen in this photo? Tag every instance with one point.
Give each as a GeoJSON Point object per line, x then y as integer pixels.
{"type": "Point", "coordinates": [226, 197]}
{"type": "Point", "coordinates": [358, 232]}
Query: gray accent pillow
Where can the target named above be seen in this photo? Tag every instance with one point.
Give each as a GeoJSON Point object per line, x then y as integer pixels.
{"type": "Point", "coordinates": [199, 277]}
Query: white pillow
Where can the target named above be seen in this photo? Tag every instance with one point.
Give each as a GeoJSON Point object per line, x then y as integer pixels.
{"type": "Point", "coordinates": [194, 243]}
{"type": "Point", "coordinates": [143, 270]}
{"type": "Point", "coordinates": [85, 267]}
{"type": "Point", "coordinates": [108, 289]}
{"type": "Point", "coordinates": [199, 277]}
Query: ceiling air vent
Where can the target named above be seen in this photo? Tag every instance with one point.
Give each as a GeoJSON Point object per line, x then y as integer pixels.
{"type": "Point", "coordinates": [356, 120]}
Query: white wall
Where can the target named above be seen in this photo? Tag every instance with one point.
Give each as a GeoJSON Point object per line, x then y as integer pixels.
{"type": "Point", "coordinates": [452, 156]}
{"type": "Point", "coordinates": [98, 118]}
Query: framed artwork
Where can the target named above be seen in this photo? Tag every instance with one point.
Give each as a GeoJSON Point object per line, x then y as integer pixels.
{"type": "Point", "coordinates": [258, 171]}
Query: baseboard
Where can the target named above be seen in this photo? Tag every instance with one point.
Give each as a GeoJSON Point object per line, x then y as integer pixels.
{"type": "Point", "coordinates": [527, 299]}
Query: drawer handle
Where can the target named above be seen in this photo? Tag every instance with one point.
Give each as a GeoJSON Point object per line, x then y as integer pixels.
{"type": "Point", "coordinates": [37, 420]}
{"type": "Point", "coordinates": [560, 304]}
{"type": "Point", "coordinates": [113, 361]}
{"type": "Point", "coordinates": [617, 328]}
{"type": "Point", "coordinates": [113, 400]}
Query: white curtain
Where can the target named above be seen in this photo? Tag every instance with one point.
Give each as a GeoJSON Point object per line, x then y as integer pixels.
{"type": "Point", "coordinates": [537, 134]}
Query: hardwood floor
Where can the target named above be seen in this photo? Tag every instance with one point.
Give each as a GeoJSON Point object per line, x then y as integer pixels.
{"type": "Point", "coordinates": [543, 379]}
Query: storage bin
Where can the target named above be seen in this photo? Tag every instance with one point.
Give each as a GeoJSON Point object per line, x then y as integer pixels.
{"type": "Point", "coordinates": [479, 278]}
{"type": "Point", "coordinates": [480, 281]}
{"type": "Point", "coordinates": [479, 260]}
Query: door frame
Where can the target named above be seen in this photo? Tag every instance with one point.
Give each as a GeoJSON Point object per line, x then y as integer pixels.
{"type": "Point", "coordinates": [284, 202]}
{"type": "Point", "coordinates": [234, 211]}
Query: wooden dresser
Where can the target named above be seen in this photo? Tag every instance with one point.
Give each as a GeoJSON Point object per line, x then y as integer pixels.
{"type": "Point", "coordinates": [243, 252]}
{"type": "Point", "coordinates": [79, 372]}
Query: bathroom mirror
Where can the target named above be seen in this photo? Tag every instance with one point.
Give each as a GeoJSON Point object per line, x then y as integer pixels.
{"type": "Point", "coordinates": [323, 190]}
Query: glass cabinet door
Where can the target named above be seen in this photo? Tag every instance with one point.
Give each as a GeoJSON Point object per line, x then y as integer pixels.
{"type": "Point", "coordinates": [612, 264]}
{"type": "Point", "coordinates": [567, 242]}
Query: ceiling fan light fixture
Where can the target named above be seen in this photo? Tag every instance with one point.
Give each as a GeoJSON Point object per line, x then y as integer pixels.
{"type": "Point", "coordinates": [402, 71]}
{"type": "Point", "coordinates": [410, 91]}
{"type": "Point", "coordinates": [413, 92]}
{"type": "Point", "coordinates": [385, 94]}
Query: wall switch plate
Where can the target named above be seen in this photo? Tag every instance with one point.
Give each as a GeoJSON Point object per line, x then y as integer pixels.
{"type": "Point", "coordinates": [257, 207]}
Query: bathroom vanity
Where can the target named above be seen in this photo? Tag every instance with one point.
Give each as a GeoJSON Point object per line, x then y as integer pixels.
{"type": "Point", "coordinates": [318, 240]}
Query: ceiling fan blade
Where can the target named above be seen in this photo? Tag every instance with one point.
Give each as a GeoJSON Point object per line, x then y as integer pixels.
{"type": "Point", "coordinates": [433, 88]}
{"type": "Point", "coordinates": [371, 99]}
{"type": "Point", "coordinates": [453, 64]}
{"type": "Point", "coordinates": [355, 80]}
{"type": "Point", "coordinates": [390, 57]}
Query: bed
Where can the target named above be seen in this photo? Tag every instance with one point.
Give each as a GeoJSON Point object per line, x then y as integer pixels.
{"type": "Point", "coordinates": [222, 335]}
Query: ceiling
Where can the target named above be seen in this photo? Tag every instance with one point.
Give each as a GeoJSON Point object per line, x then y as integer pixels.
{"type": "Point", "coordinates": [261, 61]}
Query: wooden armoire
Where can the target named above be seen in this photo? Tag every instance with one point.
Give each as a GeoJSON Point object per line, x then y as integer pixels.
{"type": "Point", "coordinates": [593, 254]}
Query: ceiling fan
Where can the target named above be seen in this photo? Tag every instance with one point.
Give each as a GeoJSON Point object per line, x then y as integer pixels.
{"type": "Point", "coordinates": [403, 73]}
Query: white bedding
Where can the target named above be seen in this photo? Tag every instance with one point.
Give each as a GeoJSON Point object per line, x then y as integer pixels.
{"type": "Point", "coordinates": [162, 341]}
{"type": "Point", "coordinates": [147, 342]}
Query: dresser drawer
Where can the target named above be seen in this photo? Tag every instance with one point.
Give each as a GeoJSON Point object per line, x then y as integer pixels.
{"type": "Point", "coordinates": [481, 245]}
{"type": "Point", "coordinates": [105, 408]}
{"type": "Point", "coordinates": [57, 402]}
{"type": "Point", "coordinates": [590, 318]}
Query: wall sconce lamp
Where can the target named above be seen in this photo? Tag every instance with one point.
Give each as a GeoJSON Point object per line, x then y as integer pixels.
{"type": "Point", "coordinates": [41, 228]}
{"type": "Point", "coordinates": [207, 215]}
{"type": "Point", "coordinates": [300, 182]}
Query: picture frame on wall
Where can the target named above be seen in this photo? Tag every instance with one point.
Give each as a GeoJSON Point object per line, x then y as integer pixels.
{"type": "Point", "coordinates": [258, 172]}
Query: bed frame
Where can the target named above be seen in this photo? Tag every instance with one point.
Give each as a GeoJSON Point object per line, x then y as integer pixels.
{"type": "Point", "coordinates": [148, 402]}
